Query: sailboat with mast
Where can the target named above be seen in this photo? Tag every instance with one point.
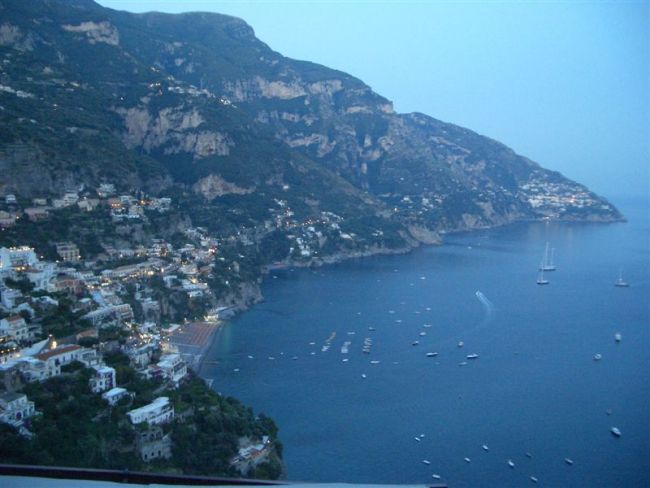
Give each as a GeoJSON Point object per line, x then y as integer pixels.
{"type": "Point", "coordinates": [620, 282]}
{"type": "Point", "coordinates": [540, 278]}
{"type": "Point", "coordinates": [547, 260]}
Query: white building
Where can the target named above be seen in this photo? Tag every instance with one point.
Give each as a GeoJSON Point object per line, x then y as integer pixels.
{"type": "Point", "coordinates": [17, 257]}
{"type": "Point", "coordinates": [159, 411]}
{"type": "Point", "coordinates": [15, 328]}
{"type": "Point", "coordinates": [104, 379]}
{"type": "Point", "coordinates": [173, 367]}
{"type": "Point", "coordinates": [114, 395]}
{"type": "Point", "coordinates": [48, 364]}
{"type": "Point", "coordinates": [15, 408]}
{"type": "Point", "coordinates": [9, 297]}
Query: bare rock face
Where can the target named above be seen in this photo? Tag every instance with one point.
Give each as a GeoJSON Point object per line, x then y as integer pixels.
{"type": "Point", "coordinates": [213, 186]}
{"type": "Point", "coordinates": [174, 130]}
{"type": "Point", "coordinates": [11, 35]}
{"type": "Point", "coordinates": [424, 235]}
{"type": "Point", "coordinates": [96, 32]}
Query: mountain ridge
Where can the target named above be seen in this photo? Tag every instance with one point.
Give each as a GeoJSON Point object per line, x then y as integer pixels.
{"type": "Point", "coordinates": [196, 100]}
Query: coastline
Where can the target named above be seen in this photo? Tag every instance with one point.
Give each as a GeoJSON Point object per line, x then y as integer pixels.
{"type": "Point", "coordinates": [250, 293]}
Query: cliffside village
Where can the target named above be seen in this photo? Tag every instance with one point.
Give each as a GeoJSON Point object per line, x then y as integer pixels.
{"type": "Point", "coordinates": [32, 287]}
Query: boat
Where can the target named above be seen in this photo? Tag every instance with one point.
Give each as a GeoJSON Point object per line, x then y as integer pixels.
{"type": "Point", "coordinates": [371, 328]}
{"type": "Point", "coordinates": [540, 278]}
{"type": "Point", "coordinates": [415, 343]}
{"type": "Point", "coordinates": [463, 363]}
{"type": "Point", "coordinates": [615, 432]}
{"type": "Point", "coordinates": [461, 344]}
{"type": "Point", "coordinates": [435, 476]}
{"type": "Point", "coordinates": [620, 282]}
{"type": "Point", "coordinates": [510, 463]}
{"type": "Point", "coordinates": [468, 460]}
{"type": "Point", "coordinates": [374, 362]}
{"type": "Point", "coordinates": [568, 461]}
{"type": "Point", "coordinates": [547, 260]}
{"type": "Point", "coordinates": [598, 357]}
{"type": "Point", "coordinates": [472, 356]}
{"type": "Point", "coordinates": [417, 439]}
{"type": "Point", "coordinates": [432, 354]}
{"type": "Point", "coordinates": [422, 334]}
{"type": "Point", "coordinates": [618, 337]}
{"type": "Point", "coordinates": [426, 461]}
{"type": "Point", "coordinates": [533, 479]}
{"type": "Point", "coordinates": [363, 375]}
{"type": "Point", "coordinates": [529, 455]}
{"type": "Point", "coordinates": [485, 447]}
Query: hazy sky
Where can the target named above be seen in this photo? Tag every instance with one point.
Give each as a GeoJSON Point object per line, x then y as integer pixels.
{"type": "Point", "coordinates": [565, 83]}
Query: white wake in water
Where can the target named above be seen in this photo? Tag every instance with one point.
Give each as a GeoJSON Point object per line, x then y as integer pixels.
{"type": "Point", "coordinates": [487, 304]}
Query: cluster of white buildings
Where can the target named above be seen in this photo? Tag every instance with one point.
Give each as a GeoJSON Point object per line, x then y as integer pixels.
{"type": "Point", "coordinates": [121, 207]}
{"type": "Point", "coordinates": [554, 198]}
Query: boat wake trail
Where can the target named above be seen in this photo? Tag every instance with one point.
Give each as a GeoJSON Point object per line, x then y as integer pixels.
{"type": "Point", "coordinates": [488, 305]}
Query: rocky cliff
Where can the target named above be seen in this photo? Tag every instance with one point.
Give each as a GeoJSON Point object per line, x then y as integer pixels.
{"type": "Point", "coordinates": [196, 102]}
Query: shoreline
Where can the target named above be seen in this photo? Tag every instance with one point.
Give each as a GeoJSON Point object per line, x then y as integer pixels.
{"type": "Point", "coordinates": [251, 293]}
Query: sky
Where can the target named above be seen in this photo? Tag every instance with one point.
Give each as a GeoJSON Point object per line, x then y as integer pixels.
{"type": "Point", "coordinates": [565, 83]}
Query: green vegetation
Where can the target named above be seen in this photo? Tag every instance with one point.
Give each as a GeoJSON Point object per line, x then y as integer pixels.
{"type": "Point", "coordinates": [77, 428]}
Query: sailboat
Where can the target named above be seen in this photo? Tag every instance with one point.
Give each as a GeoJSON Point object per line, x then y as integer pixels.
{"type": "Point", "coordinates": [547, 261]}
{"type": "Point", "coordinates": [620, 282]}
{"type": "Point", "coordinates": [540, 278]}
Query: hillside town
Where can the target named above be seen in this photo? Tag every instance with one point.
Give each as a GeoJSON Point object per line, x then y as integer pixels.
{"type": "Point", "coordinates": [151, 308]}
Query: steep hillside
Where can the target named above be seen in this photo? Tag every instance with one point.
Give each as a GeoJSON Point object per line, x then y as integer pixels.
{"type": "Point", "coordinates": [196, 103]}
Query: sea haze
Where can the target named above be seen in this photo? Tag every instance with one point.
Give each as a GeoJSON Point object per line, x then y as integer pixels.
{"type": "Point", "coordinates": [534, 389]}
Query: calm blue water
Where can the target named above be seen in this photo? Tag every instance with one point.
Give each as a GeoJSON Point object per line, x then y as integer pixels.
{"type": "Point", "coordinates": [535, 387]}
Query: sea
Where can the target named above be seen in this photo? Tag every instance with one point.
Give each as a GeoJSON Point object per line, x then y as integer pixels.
{"type": "Point", "coordinates": [535, 395]}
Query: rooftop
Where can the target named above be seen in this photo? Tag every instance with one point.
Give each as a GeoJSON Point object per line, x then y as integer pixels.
{"type": "Point", "coordinates": [59, 350]}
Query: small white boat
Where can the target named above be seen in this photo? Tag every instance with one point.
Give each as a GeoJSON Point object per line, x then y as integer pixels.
{"type": "Point", "coordinates": [363, 375]}
{"type": "Point", "coordinates": [533, 479]}
{"type": "Point", "coordinates": [568, 461]}
{"type": "Point", "coordinates": [618, 337]}
{"type": "Point", "coordinates": [250, 357]}
{"type": "Point", "coordinates": [295, 358]}
{"type": "Point", "coordinates": [426, 326]}
{"type": "Point", "coordinates": [417, 438]}
{"type": "Point", "coordinates": [462, 363]}
{"type": "Point", "coordinates": [435, 476]}
{"type": "Point", "coordinates": [510, 463]}
{"type": "Point", "coordinates": [615, 432]}
{"type": "Point", "coordinates": [547, 261]}
{"type": "Point", "coordinates": [598, 357]}
{"type": "Point", "coordinates": [236, 370]}
{"type": "Point", "coordinates": [620, 282]}
{"type": "Point", "coordinates": [485, 447]}
{"type": "Point", "coordinates": [345, 360]}
{"type": "Point", "coordinates": [432, 354]}
{"type": "Point", "coordinates": [374, 362]}
{"type": "Point", "coordinates": [461, 344]}
{"type": "Point", "coordinates": [271, 358]}
{"type": "Point", "coordinates": [371, 328]}
{"type": "Point", "coordinates": [415, 343]}
{"type": "Point", "coordinates": [421, 436]}
{"type": "Point", "coordinates": [468, 460]}
{"type": "Point", "coordinates": [540, 279]}
{"type": "Point", "coordinates": [426, 461]}
{"type": "Point", "coordinates": [422, 334]}
{"type": "Point", "coordinates": [472, 356]}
